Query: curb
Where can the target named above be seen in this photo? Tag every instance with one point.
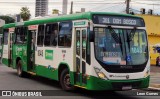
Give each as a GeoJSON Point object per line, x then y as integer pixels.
{"type": "Point", "coordinates": [154, 87]}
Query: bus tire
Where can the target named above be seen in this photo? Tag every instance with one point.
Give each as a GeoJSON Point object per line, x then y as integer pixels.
{"type": "Point", "coordinates": [65, 80]}
{"type": "Point", "coordinates": [20, 71]}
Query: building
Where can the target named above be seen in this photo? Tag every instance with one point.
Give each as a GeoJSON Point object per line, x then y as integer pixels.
{"type": "Point", "coordinates": [153, 30]}
{"type": "Point", "coordinates": [41, 8]}
{"type": "Point", "coordinates": [64, 7]}
{"type": "Point", "coordinates": [2, 22]}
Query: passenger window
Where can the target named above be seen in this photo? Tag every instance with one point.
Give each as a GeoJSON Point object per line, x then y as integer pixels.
{"type": "Point", "coordinates": [51, 38]}
{"type": "Point", "coordinates": [65, 34]}
{"type": "Point", "coordinates": [40, 35]}
{"type": "Point", "coordinates": [21, 33]}
{"type": "Point", "coordinates": [47, 34]}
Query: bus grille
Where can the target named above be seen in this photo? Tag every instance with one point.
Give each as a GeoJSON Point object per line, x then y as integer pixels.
{"type": "Point", "coordinates": [119, 85]}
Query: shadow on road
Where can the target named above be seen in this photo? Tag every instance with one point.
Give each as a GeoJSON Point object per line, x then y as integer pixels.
{"type": "Point", "coordinates": [42, 80]}
{"type": "Point", "coordinates": [77, 92]}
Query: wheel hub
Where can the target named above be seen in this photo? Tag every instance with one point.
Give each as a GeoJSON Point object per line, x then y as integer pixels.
{"type": "Point", "coordinates": [67, 80]}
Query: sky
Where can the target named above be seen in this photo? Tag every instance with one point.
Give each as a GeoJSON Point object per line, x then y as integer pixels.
{"type": "Point", "coordinates": [14, 6]}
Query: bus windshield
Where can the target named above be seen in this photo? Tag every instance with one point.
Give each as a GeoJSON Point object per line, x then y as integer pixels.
{"type": "Point", "coordinates": [121, 46]}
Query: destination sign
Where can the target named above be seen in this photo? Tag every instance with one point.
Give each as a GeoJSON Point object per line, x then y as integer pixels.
{"type": "Point", "coordinates": [118, 20]}
{"type": "Point", "coordinates": [66, 24]}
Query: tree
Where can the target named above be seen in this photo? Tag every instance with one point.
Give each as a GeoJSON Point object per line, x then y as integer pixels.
{"type": "Point", "coordinates": [25, 13]}
{"type": "Point", "coordinates": [7, 19]}
{"type": "Point", "coordinates": [55, 11]}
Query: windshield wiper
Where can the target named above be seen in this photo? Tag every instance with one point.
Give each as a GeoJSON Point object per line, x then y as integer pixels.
{"type": "Point", "coordinates": [114, 35]}
{"type": "Point", "coordinates": [131, 34]}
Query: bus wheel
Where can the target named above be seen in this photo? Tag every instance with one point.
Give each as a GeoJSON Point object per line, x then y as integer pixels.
{"type": "Point", "coordinates": [19, 69]}
{"type": "Point", "coordinates": [65, 80]}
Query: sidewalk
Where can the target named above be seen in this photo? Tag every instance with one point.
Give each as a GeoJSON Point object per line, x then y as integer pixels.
{"type": "Point", "coordinates": [155, 78]}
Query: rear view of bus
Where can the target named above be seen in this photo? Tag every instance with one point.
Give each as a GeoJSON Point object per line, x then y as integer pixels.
{"type": "Point", "coordinates": [119, 52]}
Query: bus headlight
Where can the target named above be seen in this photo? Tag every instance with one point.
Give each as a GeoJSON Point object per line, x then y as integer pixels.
{"type": "Point", "coordinates": [146, 73]}
{"type": "Point", "coordinates": [99, 73]}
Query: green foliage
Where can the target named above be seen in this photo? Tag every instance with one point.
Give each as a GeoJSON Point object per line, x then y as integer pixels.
{"type": "Point", "coordinates": [7, 19]}
{"type": "Point", "coordinates": [25, 13]}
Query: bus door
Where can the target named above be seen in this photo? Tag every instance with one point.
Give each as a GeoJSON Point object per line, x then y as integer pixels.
{"type": "Point", "coordinates": [31, 52]}
{"type": "Point", "coordinates": [10, 48]}
{"type": "Point", "coordinates": [31, 48]}
{"type": "Point", "coordinates": [81, 38]}
{"type": "Point", "coordinates": [10, 45]}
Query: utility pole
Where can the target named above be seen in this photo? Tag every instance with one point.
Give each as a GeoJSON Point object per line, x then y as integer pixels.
{"type": "Point", "coordinates": [71, 7]}
{"type": "Point", "coordinates": [127, 6]}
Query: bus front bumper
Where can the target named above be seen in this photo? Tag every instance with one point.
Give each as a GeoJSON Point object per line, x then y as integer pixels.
{"type": "Point", "coordinates": [94, 83]}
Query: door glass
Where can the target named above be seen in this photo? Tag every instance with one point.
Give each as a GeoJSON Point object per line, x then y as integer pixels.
{"type": "Point", "coordinates": [84, 44]}
{"type": "Point", "coordinates": [78, 61]}
{"type": "Point", "coordinates": [78, 42]}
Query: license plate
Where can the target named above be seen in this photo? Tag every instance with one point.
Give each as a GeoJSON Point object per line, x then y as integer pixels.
{"type": "Point", "coordinates": [126, 87]}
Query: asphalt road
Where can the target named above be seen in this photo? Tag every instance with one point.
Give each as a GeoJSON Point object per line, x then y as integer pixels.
{"type": "Point", "coordinates": [10, 81]}
{"type": "Point", "coordinates": [155, 69]}
{"type": "Point", "coordinates": [155, 76]}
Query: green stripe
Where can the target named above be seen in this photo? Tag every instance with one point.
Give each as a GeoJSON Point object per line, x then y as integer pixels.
{"type": "Point", "coordinates": [95, 83]}
{"type": "Point", "coordinates": [47, 72]}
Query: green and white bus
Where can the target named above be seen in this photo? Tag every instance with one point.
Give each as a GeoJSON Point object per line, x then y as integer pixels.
{"type": "Point", "coordinates": [91, 50]}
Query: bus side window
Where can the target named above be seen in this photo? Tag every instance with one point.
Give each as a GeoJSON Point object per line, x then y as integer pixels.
{"type": "Point", "coordinates": [40, 35]}
{"type": "Point", "coordinates": [23, 34]}
{"type": "Point", "coordinates": [65, 34]}
{"type": "Point", "coordinates": [47, 34]}
{"type": "Point", "coordinates": [54, 35]}
{"type": "Point", "coordinates": [18, 38]}
{"type": "Point", "coordinates": [20, 35]}
{"type": "Point", "coordinates": [51, 31]}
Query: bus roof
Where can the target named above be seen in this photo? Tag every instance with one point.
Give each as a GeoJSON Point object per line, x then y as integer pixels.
{"type": "Point", "coordinates": [77, 16]}
{"type": "Point", "coordinates": [10, 25]}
